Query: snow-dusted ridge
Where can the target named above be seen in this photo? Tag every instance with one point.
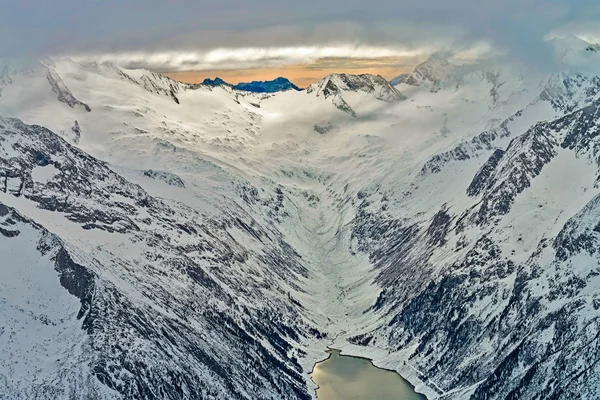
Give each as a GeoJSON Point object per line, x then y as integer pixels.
{"type": "Point", "coordinates": [184, 242]}
{"type": "Point", "coordinates": [335, 85]}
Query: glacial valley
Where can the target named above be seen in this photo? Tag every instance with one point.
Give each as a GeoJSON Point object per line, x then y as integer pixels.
{"type": "Point", "coordinates": [163, 240]}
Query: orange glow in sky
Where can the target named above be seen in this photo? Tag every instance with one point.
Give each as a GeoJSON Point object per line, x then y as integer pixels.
{"type": "Point", "coordinates": [303, 75]}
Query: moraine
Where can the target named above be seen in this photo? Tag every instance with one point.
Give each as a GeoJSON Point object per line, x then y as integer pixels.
{"type": "Point", "coordinates": [356, 378]}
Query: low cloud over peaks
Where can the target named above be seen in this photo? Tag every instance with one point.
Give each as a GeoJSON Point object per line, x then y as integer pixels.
{"type": "Point", "coordinates": [237, 34]}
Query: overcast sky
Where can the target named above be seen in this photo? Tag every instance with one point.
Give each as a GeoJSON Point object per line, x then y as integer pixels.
{"type": "Point", "coordinates": [235, 34]}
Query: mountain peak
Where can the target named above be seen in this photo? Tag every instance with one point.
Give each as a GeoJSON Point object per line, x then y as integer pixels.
{"type": "Point", "coordinates": [215, 82]}
{"type": "Point", "coordinates": [368, 83]}
{"type": "Point", "coordinates": [432, 71]}
{"type": "Point", "coordinates": [575, 54]}
{"type": "Point", "coordinates": [334, 85]}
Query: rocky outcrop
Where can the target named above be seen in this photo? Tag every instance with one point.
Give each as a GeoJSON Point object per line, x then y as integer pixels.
{"type": "Point", "coordinates": [154, 83]}
{"type": "Point", "coordinates": [507, 174]}
{"type": "Point", "coordinates": [569, 91]}
{"type": "Point", "coordinates": [324, 127]}
{"type": "Point", "coordinates": [62, 91]}
{"type": "Point", "coordinates": [167, 177]}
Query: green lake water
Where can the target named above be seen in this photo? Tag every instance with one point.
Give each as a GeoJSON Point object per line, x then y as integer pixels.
{"type": "Point", "coordinates": [354, 378]}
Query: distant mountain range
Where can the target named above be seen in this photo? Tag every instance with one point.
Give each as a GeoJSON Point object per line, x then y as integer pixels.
{"type": "Point", "coordinates": [399, 79]}
{"type": "Point", "coordinates": [275, 85]}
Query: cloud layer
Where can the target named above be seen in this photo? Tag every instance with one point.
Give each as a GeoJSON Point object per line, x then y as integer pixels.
{"type": "Point", "coordinates": [179, 35]}
{"type": "Point", "coordinates": [245, 57]}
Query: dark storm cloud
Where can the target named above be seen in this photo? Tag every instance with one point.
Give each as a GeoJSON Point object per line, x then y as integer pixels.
{"type": "Point", "coordinates": [202, 34]}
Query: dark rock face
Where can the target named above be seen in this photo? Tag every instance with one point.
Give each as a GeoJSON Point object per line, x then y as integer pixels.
{"type": "Point", "coordinates": [483, 177]}
{"type": "Point", "coordinates": [62, 92]}
{"type": "Point", "coordinates": [582, 135]}
{"type": "Point", "coordinates": [330, 89]}
{"type": "Point", "coordinates": [523, 160]}
{"type": "Point", "coordinates": [593, 48]}
{"type": "Point", "coordinates": [76, 279]}
{"type": "Point", "coordinates": [438, 229]}
{"type": "Point", "coordinates": [167, 322]}
{"type": "Point", "coordinates": [156, 83]}
{"type": "Point", "coordinates": [76, 130]}
{"type": "Point", "coordinates": [9, 233]}
{"type": "Point", "coordinates": [526, 155]}
{"type": "Point", "coordinates": [324, 127]}
{"type": "Point", "coordinates": [445, 323]}
{"type": "Point", "coordinates": [581, 233]}
{"type": "Point", "coordinates": [167, 177]}
{"type": "Point", "coordinates": [372, 84]}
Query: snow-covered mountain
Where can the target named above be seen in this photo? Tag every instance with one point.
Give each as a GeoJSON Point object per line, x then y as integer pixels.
{"type": "Point", "coordinates": [339, 86]}
{"type": "Point", "coordinates": [430, 72]}
{"type": "Point", "coordinates": [163, 240]}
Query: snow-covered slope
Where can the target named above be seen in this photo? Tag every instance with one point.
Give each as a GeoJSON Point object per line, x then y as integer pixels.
{"type": "Point", "coordinates": [574, 53]}
{"type": "Point", "coordinates": [189, 241]}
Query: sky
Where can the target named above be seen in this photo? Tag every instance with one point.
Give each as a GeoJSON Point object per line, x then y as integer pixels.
{"type": "Point", "coordinates": [243, 40]}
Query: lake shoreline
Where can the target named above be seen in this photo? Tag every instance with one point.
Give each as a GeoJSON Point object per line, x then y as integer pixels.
{"type": "Point", "coordinates": [396, 362]}
{"type": "Point", "coordinates": [400, 386]}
